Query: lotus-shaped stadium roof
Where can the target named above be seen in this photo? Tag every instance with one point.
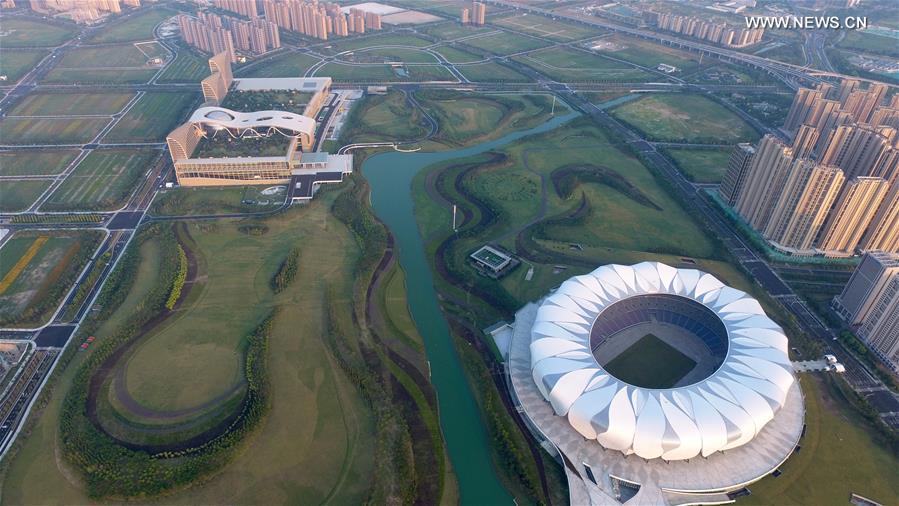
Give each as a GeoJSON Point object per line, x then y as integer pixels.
{"type": "Point", "coordinates": [722, 411]}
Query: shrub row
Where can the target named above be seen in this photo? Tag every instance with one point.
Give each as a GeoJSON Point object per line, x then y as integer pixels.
{"type": "Point", "coordinates": [180, 278]}
{"type": "Point", "coordinates": [287, 271]}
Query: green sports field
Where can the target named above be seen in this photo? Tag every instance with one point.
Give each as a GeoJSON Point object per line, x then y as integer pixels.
{"type": "Point", "coordinates": [103, 181]}
{"type": "Point", "coordinates": [685, 118]}
{"type": "Point", "coordinates": [21, 193]}
{"type": "Point", "coordinates": [115, 64]}
{"type": "Point", "coordinates": [285, 65]}
{"type": "Point", "coordinates": [701, 165]}
{"type": "Point", "coordinates": [650, 363]}
{"type": "Point", "coordinates": [544, 27]}
{"type": "Point", "coordinates": [71, 104]}
{"type": "Point", "coordinates": [50, 130]}
{"type": "Point", "coordinates": [35, 163]}
{"type": "Point", "coordinates": [188, 67]}
{"type": "Point", "coordinates": [15, 64]}
{"type": "Point", "coordinates": [138, 27]}
{"type": "Point", "coordinates": [153, 116]}
{"type": "Point", "coordinates": [30, 32]}
{"type": "Point", "coordinates": [571, 65]}
{"type": "Point", "coordinates": [504, 43]}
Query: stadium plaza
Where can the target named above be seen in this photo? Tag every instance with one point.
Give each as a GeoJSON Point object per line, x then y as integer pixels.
{"type": "Point", "coordinates": [702, 438]}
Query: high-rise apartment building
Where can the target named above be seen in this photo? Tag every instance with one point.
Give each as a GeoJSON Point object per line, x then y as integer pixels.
{"type": "Point", "coordinates": [465, 18]}
{"type": "Point", "coordinates": [319, 19]}
{"type": "Point", "coordinates": [870, 304]}
{"type": "Point", "coordinates": [883, 232]}
{"type": "Point", "coordinates": [214, 34]}
{"type": "Point", "coordinates": [764, 181]}
{"type": "Point", "coordinates": [246, 8]}
{"type": "Point", "coordinates": [808, 193]}
{"type": "Point", "coordinates": [805, 141]}
{"type": "Point", "coordinates": [737, 169]}
{"type": "Point", "coordinates": [478, 13]}
{"type": "Point", "coordinates": [803, 103]}
{"type": "Point", "coordinates": [857, 148]}
{"type": "Point", "coordinates": [716, 32]}
{"type": "Point", "coordinates": [853, 211]}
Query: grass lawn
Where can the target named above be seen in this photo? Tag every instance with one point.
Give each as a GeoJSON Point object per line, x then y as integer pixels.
{"type": "Point", "coordinates": [37, 269]}
{"type": "Point", "coordinates": [22, 32]}
{"type": "Point", "coordinates": [687, 118]}
{"type": "Point", "coordinates": [71, 104]}
{"type": "Point", "coordinates": [15, 64]}
{"type": "Point", "coordinates": [137, 27]}
{"type": "Point", "coordinates": [188, 67]}
{"type": "Point", "coordinates": [35, 163]}
{"type": "Point", "coordinates": [221, 200]}
{"type": "Point", "coordinates": [152, 117]}
{"type": "Point", "coordinates": [868, 42]}
{"type": "Point", "coordinates": [838, 457]}
{"type": "Point", "coordinates": [466, 118]}
{"type": "Point", "coordinates": [492, 72]}
{"type": "Point", "coordinates": [504, 43]}
{"type": "Point", "coordinates": [123, 63]}
{"type": "Point", "coordinates": [646, 54]}
{"type": "Point", "coordinates": [284, 65]}
{"type": "Point", "coordinates": [544, 27]}
{"type": "Point", "coordinates": [650, 363]}
{"type": "Point", "coordinates": [19, 194]}
{"type": "Point", "coordinates": [568, 65]}
{"type": "Point", "coordinates": [50, 131]}
{"type": "Point", "coordinates": [456, 55]}
{"type": "Point", "coordinates": [317, 442]}
{"type": "Point", "coordinates": [103, 181]}
{"type": "Point", "coordinates": [701, 165]}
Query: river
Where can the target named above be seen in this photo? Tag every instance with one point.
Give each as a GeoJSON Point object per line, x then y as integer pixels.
{"type": "Point", "coordinates": [390, 175]}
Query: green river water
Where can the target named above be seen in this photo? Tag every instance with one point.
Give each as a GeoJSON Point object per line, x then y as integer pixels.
{"type": "Point", "coordinates": [390, 175]}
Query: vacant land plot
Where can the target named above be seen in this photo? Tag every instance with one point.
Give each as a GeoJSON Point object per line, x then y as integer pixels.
{"type": "Point", "coordinates": [504, 43]}
{"type": "Point", "coordinates": [492, 72]}
{"type": "Point", "coordinates": [644, 53]}
{"type": "Point", "coordinates": [220, 200]}
{"type": "Point", "coordinates": [15, 64]}
{"type": "Point", "coordinates": [101, 182]}
{"type": "Point", "coordinates": [103, 64]}
{"type": "Point", "coordinates": [50, 131]}
{"type": "Point", "coordinates": [188, 67]}
{"type": "Point", "coordinates": [445, 7]}
{"type": "Point", "coordinates": [688, 118]}
{"type": "Point", "coordinates": [139, 27]}
{"type": "Point", "coordinates": [72, 104]}
{"type": "Point", "coordinates": [36, 271]}
{"type": "Point", "coordinates": [547, 28]}
{"type": "Point", "coordinates": [838, 457]}
{"type": "Point", "coordinates": [22, 32]}
{"type": "Point", "coordinates": [285, 65]}
{"type": "Point", "coordinates": [152, 117]}
{"type": "Point", "coordinates": [567, 65]}
{"type": "Point", "coordinates": [35, 163]}
{"type": "Point", "coordinates": [701, 165]}
{"type": "Point", "coordinates": [650, 363]}
{"type": "Point", "coordinates": [18, 195]}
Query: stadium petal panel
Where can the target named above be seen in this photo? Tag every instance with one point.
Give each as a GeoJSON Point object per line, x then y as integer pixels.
{"type": "Point", "coordinates": [723, 410]}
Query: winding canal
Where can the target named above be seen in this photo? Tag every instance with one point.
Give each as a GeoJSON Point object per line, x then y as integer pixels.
{"type": "Point", "coordinates": [390, 175]}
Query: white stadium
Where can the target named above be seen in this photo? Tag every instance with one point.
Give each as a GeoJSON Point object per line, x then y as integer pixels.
{"type": "Point", "coordinates": [730, 417]}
